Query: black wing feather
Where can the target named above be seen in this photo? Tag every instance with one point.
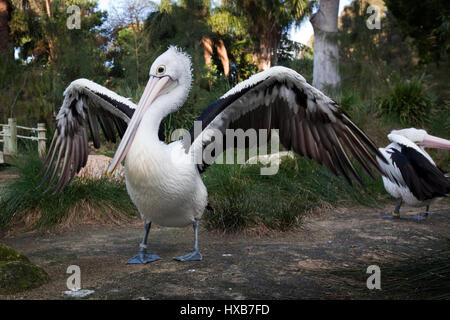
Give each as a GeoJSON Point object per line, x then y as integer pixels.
{"type": "Point", "coordinates": [86, 106]}
{"type": "Point", "coordinates": [315, 127]}
{"type": "Point", "coordinates": [425, 180]}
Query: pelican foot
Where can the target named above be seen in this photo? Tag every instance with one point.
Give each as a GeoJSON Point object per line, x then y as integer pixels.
{"type": "Point", "coordinates": [393, 216]}
{"type": "Point", "coordinates": [194, 256]}
{"type": "Point", "coordinates": [422, 217]}
{"type": "Point", "coordinates": [143, 258]}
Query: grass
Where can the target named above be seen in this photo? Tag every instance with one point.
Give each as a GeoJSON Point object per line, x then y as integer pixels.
{"type": "Point", "coordinates": [84, 199]}
{"type": "Point", "coordinates": [408, 101]}
{"type": "Point", "coordinates": [406, 277]}
{"type": "Point", "coordinates": [241, 198]}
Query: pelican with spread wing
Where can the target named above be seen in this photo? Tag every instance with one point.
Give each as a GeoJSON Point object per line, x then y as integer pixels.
{"type": "Point", "coordinates": [163, 180]}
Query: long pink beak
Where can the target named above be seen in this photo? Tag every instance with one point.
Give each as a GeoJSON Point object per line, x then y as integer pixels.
{"type": "Point", "coordinates": [435, 142]}
{"type": "Point", "coordinates": [152, 90]}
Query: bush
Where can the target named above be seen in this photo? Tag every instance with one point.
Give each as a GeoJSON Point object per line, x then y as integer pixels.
{"type": "Point", "coordinates": [408, 101]}
{"type": "Point", "coordinates": [102, 200]}
{"type": "Point", "coordinates": [243, 199]}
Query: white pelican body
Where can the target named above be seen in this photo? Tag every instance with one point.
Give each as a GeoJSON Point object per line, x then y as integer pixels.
{"type": "Point", "coordinates": [171, 193]}
{"type": "Point", "coordinates": [163, 180]}
{"type": "Point", "coordinates": [410, 174]}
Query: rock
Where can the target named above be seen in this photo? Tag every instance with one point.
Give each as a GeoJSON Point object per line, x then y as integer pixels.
{"type": "Point", "coordinates": [78, 293]}
{"type": "Point", "coordinates": [96, 168]}
{"type": "Point", "coordinates": [8, 254]}
{"type": "Point", "coordinates": [17, 273]}
{"type": "Point", "coordinates": [273, 158]}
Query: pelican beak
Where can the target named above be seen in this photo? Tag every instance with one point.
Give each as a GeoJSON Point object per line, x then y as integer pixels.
{"type": "Point", "coordinates": [435, 142]}
{"type": "Point", "coordinates": [153, 89]}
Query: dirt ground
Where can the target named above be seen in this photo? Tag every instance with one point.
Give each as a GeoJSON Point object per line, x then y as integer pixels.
{"type": "Point", "coordinates": [292, 265]}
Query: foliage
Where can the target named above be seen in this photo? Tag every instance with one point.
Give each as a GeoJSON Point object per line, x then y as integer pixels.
{"type": "Point", "coordinates": [369, 58]}
{"type": "Point", "coordinates": [439, 118]}
{"type": "Point", "coordinates": [179, 25]}
{"type": "Point", "coordinates": [20, 198]}
{"type": "Point", "coordinates": [404, 277]}
{"type": "Point", "coordinates": [298, 57]}
{"type": "Point", "coordinates": [50, 57]}
{"type": "Point", "coordinates": [427, 22]}
{"type": "Point", "coordinates": [267, 21]}
{"type": "Point", "coordinates": [241, 198]}
{"type": "Point", "coordinates": [407, 100]}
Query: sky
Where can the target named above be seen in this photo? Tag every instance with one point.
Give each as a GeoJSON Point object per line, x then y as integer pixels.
{"type": "Point", "coordinates": [300, 34]}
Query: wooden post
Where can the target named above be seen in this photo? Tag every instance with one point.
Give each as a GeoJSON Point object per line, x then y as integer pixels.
{"type": "Point", "coordinates": [41, 139]}
{"type": "Point", "coordinates": [12, 124]}
{"type": "Point", "coordinates": [6, 137]}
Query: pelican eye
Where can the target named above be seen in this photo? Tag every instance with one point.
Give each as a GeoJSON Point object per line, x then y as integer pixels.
{"type": "Point", "coordinates": [161, 70]}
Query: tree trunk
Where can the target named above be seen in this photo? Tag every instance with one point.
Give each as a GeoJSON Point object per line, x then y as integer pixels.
{"type": "Point", "coordinates": [5, 16]}
{"type": "Point", "coordinates": [269, 41]}
{"type": "Point", "coordinates": [221, 51]}
{"type": "Point", "coordinates": [223, 55]}
{"type": "Point", "coordinates": [265, 51]}
{"type": "Point", "coordinates": [207, 50]}
{"type": "Point", "coordinates": [326, 51]}
{"type": "Point", "coordinates": [48, 7]}
{"type": "Point", "coordinates": [51, 40]}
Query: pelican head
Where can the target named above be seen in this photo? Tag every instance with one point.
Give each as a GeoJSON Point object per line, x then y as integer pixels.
{"type": "Point", "coordinates": [422, 138]}
{"type": "Point", "coordinates": [170, 75]}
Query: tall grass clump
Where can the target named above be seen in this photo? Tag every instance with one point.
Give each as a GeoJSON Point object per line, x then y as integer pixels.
{"type": "Point", "coordinates": [403, 277]}
{"type": "Point", "coordinates": [241, 198]}
{"type": "Point", "coordinates": [87, 200]}
{"type": "Point", "coordinates": [408, 101]}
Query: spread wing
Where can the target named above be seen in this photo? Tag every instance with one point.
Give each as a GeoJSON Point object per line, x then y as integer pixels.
{"type": "Point", "coordinates": [86, 106]}
{"type": "Point", "coordinates": [309, 122]}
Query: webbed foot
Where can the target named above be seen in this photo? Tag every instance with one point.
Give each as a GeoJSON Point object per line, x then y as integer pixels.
{"type": "Point", "coordinates": [392, 216]}
{"type": "Point", "coordinates": [143, 257]}
{"type": "Point", "coordinates": [421, 217]}
{"type": "Point", "coordinates": [193, 256]}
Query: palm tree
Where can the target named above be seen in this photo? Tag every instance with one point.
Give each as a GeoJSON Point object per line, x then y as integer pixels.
{"type": "Point", "coordinates": [267, 21]}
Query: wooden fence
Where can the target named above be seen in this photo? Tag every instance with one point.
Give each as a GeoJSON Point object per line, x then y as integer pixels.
{"type": "Point", "coordinates": [9, 136]}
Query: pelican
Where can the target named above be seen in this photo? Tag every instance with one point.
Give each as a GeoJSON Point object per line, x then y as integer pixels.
{"type": "Point", "coordinates": [410, 175]}
{"type": "Point", "coordinates": [163, 180]}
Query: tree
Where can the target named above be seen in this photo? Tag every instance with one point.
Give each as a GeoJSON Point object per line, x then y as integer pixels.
{"type": "Point", "coordinates": [326, 51]}
{"type": "Point", "coordinates": [232, 41]}
{"type": "Point", "coordinates": [369, 59]}
{"type": "Point", "coordinates": [427, 22]}
{"type": "Point", "coordinates": [32, 85]}
{"type": "Point", "coordinates": [267, 21]}
{"type": "Point", "coordinates": [5, 17]}
{"type": "Point", "coordinates": [129, 15]}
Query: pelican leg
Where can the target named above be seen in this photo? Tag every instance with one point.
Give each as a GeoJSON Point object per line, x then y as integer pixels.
{"type": "Point", "coordinates": [143, 257]}
{"type": "Point", "coordinates": [423, 216]}
{"type": "Point", "coordinates": [396, 213]}
{"type": "Point", "coordinates": [194, 255]}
